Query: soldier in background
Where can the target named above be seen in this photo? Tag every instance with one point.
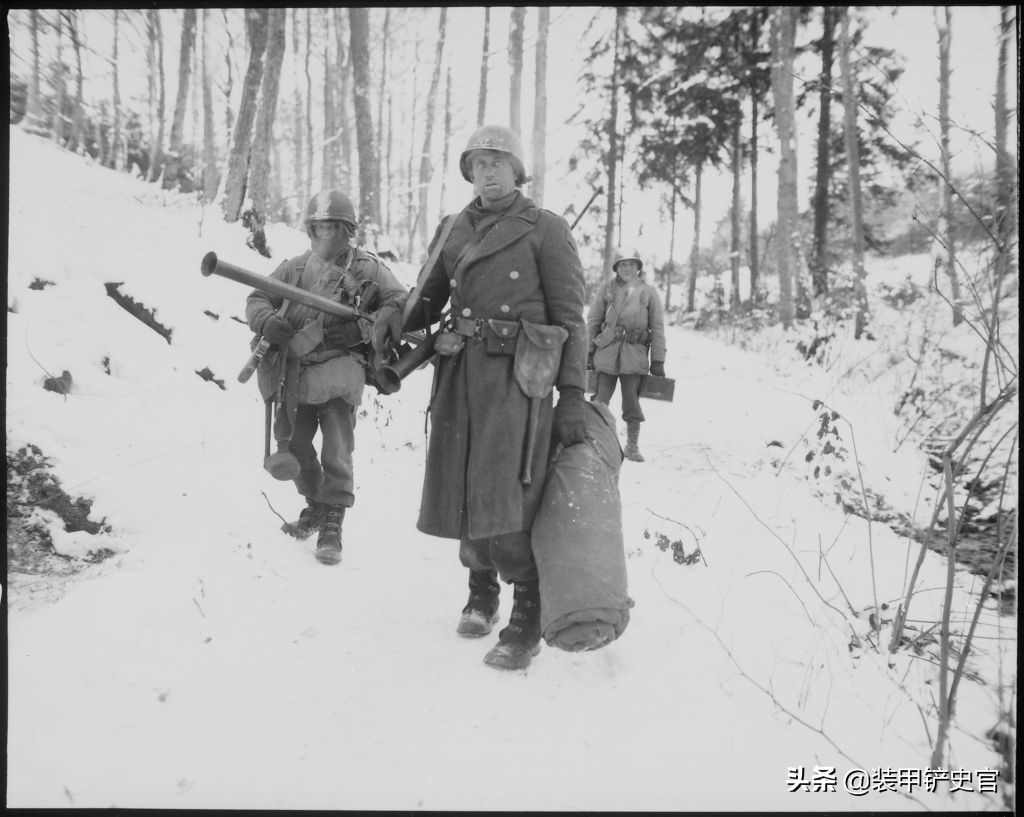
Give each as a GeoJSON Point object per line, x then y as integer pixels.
{"type": "Point", "coordinates": [320, 363]}
{"type": "Point", "coordinates": [626, 327]}
{"type": "Point", "coordinates": [513, 277]}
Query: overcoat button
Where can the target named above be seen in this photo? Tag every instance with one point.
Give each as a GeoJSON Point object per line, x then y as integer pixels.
{"type": "Point", "coordinates": [454, 283]}
{"type": "Point", "coordinates": [467, 312]}
{"type": "Point", "coordinates": [504, 307]}
{"type": "Point", "coordinates": [513, 275]}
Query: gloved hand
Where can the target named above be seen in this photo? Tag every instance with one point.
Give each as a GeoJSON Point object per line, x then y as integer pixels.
{"type": "Point", "coordinates": [387, 323]}
{"type": "Point", "coordinates": [657, 368]}
{"type": "Point", "coordinates": [277, 330]}
{"type": "Point", "coordinates": [590, 361]}
{"type": "Point", "coordinates": [571, 416]}
{"type": "Point", "coordinates": [337, 335]}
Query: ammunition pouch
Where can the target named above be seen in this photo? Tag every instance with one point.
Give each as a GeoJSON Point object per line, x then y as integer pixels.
{"type": "Point", "coordinates": [499, 337]}
{"type": "Point", "coordinates": [612, 333]}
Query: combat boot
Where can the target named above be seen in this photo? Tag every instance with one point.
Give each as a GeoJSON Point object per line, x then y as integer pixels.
{"type": "Point", "coordinates": [480, 613]}
{"type": "Point", "coordinates": [328, 546]}
{"type": "Point", "coordinates": [520, 640]}
{"type": "Point", "coordinates": [310, 519]}
{"type": "Point", "coordinates": [632, 451]}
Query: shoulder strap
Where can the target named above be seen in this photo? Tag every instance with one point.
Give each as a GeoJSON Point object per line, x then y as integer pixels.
{"type": "Point", "coordinates": [611, 315]}
{"type": "Point", "coordinates": [414, 296]}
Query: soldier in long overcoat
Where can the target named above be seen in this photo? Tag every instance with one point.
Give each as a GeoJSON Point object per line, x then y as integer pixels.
{"type": "Point", "coordinates": [514, 281]}
{"type": "Point", "coordinates": [626, 329]}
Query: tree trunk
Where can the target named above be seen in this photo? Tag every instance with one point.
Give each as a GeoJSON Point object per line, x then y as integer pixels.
{"type": "Point", "coordinates": [211, 177]}
{"type": "Point", "coordinates": [328, 175]}
{"type": "Point", "coordinates": [382, 180]}
{"type": "Point", "coordinates": [172, 172]}
{"type": "Point", "coordinates": [1006, 172]}
{"type": "Point", "coordinates": [369, 183]}
{"type": "Point", "coordinates": [540, 108]}
{"type": "Point", "coordinates": [783, 37]}
{"type": "Point", "coordinates": [159, 86]}
{"type": "Point", "coordinates": [447, 137]}
{"type": "Point", "coordinates": [116, 149]}
{"type": "Point", "coordinates": [612, 156]}
{"type": "Point", "coordinates": [238, 160]}
{"type": "Point", "coordinates": [691, 284]}
{"type": "Point", "coordinates": [947, 188]}
{"type": "Point", "coordinates": [298, 121]}
{"type": "Point", "coordinates": [229, 84]}
{"type": "Point", "coordinates": [410, 217]}
{"type": "Point", "coordinates": [426, 166]}
{"type": "Point", "coordinates": [77, 142]}
{"type": "Point", "coordinates": [387, 168]}
{"type": "Point", "coordinates": [33, 108]}
{"type": "Point", "coordinates": [344, 143]}
{"type": "Point", "coordinates": [755, 261]}
{"type": "Point", "coordinates": [263, 134]}
{"type": "Point", "coordinates": [853, 162]}
{"type": "Point", "coordinates": [671, 249]}
{"type": "Point", "coordinates": [515, 61]}
{"type": "Point", "coordinates": [57, 124]}
{"type": "Point", "coordinates": [823, 171]}
{"type": "Point", "coordinates": [309, 110]}
{"type": "Point", "coordinates": [481, 105]}
{"type": "Point", "coordinates": [737, 216]}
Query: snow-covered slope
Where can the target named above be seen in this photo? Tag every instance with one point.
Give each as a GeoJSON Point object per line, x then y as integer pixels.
{"type": "Point", "coordinates": [214, 663]}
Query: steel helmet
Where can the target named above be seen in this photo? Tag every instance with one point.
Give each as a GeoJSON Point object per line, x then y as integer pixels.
{"type": "Point", "coordinates": [330, 205]}
{"type": "Point", "coordinates": [627, 254]}
{"type": "Point", "coordinates": [499, 138]}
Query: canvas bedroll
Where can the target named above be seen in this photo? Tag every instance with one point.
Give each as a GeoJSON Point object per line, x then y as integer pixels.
{"type": "Point", "coordinates": [577, 542]}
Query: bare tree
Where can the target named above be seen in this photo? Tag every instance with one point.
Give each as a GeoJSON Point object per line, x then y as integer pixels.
{"type": "Point", "coordinates": [426, 166]}
{"type": "Point", "coordinates": [301, 180]}
{"type": "Point", "coordinates": [447, 136]}
{"type": "Point", "coordinates": [116, 157]}
{"type": "Point", "coordinates": [823, 170]}
{"type": "Point", "coordinates": [210, 175]}
{"type": "Point", "coordinates": [309, 106]}
{"type": "Point", "coordinates": [157, 92]}
{"type": "Point", "coordinates": [238, 159]}
{"type": "Point", "coordinates": [263, 135]}
{"type": "Point", "coordinates": [944, 25]}
{"type": "Point", "coordinates": [188, 35]}
{"type": "Point", "coordinates": [540, 108]}
{"type": "Point", "coordinates": [381, 176]}
{"type": "Point", "coordinates": [369, 182]}
{"type": "Point", "coordinates": [783, 36]}
{"type": "Point", "coordinates": [57, 124]}
{"type": "Point", "coordinates": [611, 158]}
{"type": "Point", "coordinates": [76, 142]}
{"type": "Point", "coordinates": [481, 105]}
{"type": "Point", "coordinates": [344, 143]}
{"type": "Point", "coordinates": [853, 163]}
{"type": "Point", "coordinates": [691, 282]}
{"type": "Point", "coordinates": [33, 108]}
{"type": "Point", "coordinates": [755, 37]}
{"type": "Point", "coordinates": [515, 60]}
{"type": "Point", "coordinates": [328, 172]}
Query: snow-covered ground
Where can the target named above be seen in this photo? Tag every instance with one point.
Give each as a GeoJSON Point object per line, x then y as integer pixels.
{"type": "Point", "coordinates": [214, 663]}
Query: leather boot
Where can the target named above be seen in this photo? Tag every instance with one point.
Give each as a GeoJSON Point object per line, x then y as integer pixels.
{"type": "Point", "coordinates": [520, 640]}
{"type": "Point", "coordinates": [480, 613]}
{"type": "Point", "coordinates": [328, 546]}
{"type": "Point", "coordinates": [632, 451]}
{"type": "Point", "coordinates": [310, 520]}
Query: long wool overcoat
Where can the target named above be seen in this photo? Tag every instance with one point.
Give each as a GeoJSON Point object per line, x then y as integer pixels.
{"type": "Point", "coordinates": [636, 307]}
{"type": "Point", "coordinates": [525, 268]}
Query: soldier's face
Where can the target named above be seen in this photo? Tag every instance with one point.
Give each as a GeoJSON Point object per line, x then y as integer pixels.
{"type": "Point", "coordinates": [493, 175]}
{"type": "Point", "coordinates": [627, 270]}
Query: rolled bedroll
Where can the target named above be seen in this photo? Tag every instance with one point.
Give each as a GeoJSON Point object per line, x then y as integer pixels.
{"type": "Point", "coordinates": [577, 542]}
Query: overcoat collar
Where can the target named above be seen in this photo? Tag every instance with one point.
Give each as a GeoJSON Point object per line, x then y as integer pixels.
{"type": "Point", "coordinates": [517, 221]}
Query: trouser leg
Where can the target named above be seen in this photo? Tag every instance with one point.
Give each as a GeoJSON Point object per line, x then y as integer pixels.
{"type": "Point", "coordinates": [510, 554]}
{"type": "Point", "coordinates": [605, 387]}
{"type": "Point", "coordinates": [311, 475]}
{"type": "Point", "coordinates": [337, 420]}
{"type": "Point", "coordinates": [631, 411]}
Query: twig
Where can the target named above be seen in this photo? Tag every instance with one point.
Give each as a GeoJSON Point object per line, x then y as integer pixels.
{"type": "Point", "coordinates": [272, 508]}
{"type": "Point", "coordinates": [867, 512]}
{"type": "Point", "coordinates": [791, 588]}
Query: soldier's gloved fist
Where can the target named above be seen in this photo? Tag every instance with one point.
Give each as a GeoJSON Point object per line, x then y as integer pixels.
{"type": "Point", "coordinates": [590, 361]}
{"type": "Point", "coordinates": [386, 324]}
{"type": "Point", "coordinates": [657, 368]}
{"type": "Point", "coordinates": [571, 416]}
{"type": "Point", "coordinates": [336, 335]}
{"type": "Point", "coordinates": [277, 330]}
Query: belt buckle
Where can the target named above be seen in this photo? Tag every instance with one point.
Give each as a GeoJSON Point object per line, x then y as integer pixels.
{"type": "Point", "coordinates": [468, 327]}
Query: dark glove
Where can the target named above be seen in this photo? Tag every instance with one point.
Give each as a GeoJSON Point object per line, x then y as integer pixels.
{"type": "Point", "coordinates": [657, 368]}
{"type": "Point", "coordinates": [277, 330]}
{"type": "Point", "coordinates": [387, 323]}
{"type": "Point", "coordinates": [338, 335]}
{"type": "Point", "coordinates": [571, 416]}
{"type": "Point", "coordinates": [590, 361]}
